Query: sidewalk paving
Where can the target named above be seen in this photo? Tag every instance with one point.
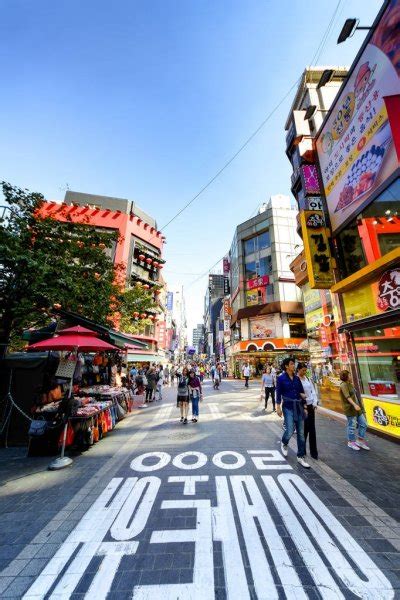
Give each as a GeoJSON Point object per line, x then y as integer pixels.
{"type": "Point", "coordinates": [39, 508]}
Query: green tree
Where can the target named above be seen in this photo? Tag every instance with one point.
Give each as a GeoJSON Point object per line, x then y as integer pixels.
{"type": "Point", "coordinates": [131, 301]}
{"type": "Point", "coordinates": [46, 262]}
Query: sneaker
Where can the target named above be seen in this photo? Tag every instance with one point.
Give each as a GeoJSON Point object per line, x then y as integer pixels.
{"type": "Point", "coordinates": [185, 421]}
{"type": "Point", "coordinates": [181, 419]}
{"type": "Point", "coordinates": [301, 460]}
{"type": "Point", "coordinates": [362, 444]}
{"type": "Point", "coordinates": [284, 449]}
{"type": "Point", "coordinates": [353, 445]}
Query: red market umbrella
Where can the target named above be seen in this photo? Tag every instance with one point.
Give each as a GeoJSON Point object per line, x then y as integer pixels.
{"type": "Point", "coordinates": [78, 329]}
{"type": "Point", "coordinates": [82, 343]}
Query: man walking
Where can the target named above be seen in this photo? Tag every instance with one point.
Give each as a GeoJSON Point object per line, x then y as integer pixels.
{"type": "Point", "coordinates": [246, 374]}
{"type": "Point", "coordinates": [290, 393]}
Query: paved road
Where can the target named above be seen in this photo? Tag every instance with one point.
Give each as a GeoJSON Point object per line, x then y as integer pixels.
{"type": "Point", "coordinates": [206, 510]}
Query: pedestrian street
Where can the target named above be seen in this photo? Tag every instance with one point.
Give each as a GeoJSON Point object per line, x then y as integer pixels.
{"type": "Point", "coordinates": [205, 510]}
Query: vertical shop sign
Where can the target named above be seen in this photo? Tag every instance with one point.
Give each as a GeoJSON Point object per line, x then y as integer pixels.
{"type": "Point", "coordinates": [227, 287]}
{"type": "Point", "coordinates": [226, 265]}
{"type": "Point", "coordinates": [309, 179]}
{"type": "Point", "coordinates": [170, 300]}
{"type": "Point", "coordinates": [227, 309]}
{"type": "Point", "coordinates": [317, 250]}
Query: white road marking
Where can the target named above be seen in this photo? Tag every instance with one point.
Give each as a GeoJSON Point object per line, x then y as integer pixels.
{"type": "Point", "coordinates": [263, 579]}
{"type": "Point", "coordinates": [239, 460]}
{"type": "Point", "coordinates": [224, 530]}
{"type": "Point", "coordinates": [178, 461]}
{"type": "Point", "coordinates": [189, 481]}
{"type": "Point", "coordinates": [203, 571]}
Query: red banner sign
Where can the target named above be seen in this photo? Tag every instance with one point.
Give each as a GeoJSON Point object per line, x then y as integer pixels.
{"type": "Point", "coordinates": [257, 282]}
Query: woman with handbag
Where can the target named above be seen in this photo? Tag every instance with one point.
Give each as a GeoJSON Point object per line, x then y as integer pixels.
{"type": "Point", "coordinates": [312, 404]}
{"type": "Point", "coordinates": [196, 394]}
{"type": "Point", "coordinates": [183, 395]}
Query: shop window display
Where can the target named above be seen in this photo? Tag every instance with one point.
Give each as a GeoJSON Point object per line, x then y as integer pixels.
{"type": "Point", "coordinates": [374, 233]}
{"type": "Point", "coordinates": [378, 353]}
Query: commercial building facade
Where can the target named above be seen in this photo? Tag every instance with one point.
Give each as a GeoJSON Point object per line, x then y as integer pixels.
{"type": "Point", "coordinates": [267, 321]}
{"type": "Point", "coordinates": [359, 150]}
{"type": "Point", "coordinates": [212, 308]}
{"type": "Point", "coordinates": [137, 252]}
{"type": "Point", "coordinates": [327, 348]}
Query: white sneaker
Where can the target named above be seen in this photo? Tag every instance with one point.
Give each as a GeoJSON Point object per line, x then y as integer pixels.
{"type": "Point", "coordinates": [353, 446]}
{"type": "Point", "coordinates": [301, 460]}
{"type": "Point", "coordinates": [362, 444]}
{"type": "Point", "coordinates": [284, 449]}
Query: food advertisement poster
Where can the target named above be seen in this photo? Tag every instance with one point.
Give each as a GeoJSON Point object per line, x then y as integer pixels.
{"type": "Point", "coordinates": [355, 147]}
{"type": "Point", "coordinates": [261, 328]}
{"type": "Point", "coordinates": [256, 296]}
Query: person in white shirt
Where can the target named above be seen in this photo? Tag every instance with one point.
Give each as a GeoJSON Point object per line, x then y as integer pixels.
{"type": "Point", "coordinates": [268, 383]}
{"type": "Point", "coordinates": [246, 374]}
{"type": "Point", "coordinates": [312, 403]}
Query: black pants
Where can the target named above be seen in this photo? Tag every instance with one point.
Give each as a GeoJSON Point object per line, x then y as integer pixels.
{"type": "Point", "coordinates": [309, 431]}
{"type": "Point", "coordinates": [149, 393]}
{"type": "Point", "coordinates": [247, 381]}
{"type": "Point", "coordinates": [268, 391]}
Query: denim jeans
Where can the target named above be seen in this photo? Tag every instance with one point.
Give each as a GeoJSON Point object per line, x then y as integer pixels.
{"type": "Point", "coordinates": [352, 423]}
{"type": "Point", "coordinates": [291, 419]}
{"type": "Point", "coordinates": [195, 406]}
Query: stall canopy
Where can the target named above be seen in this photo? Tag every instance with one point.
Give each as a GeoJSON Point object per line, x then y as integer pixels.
{"type": "Point", "coordinates": [109, 335]}
{"type": "Point", "coordinates": [73, 338]}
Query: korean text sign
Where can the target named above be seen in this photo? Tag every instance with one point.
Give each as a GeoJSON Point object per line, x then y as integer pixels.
{"type": "Point", "coordinates": [355, 147]}
{"type": "Point", "coordinates": [316, 249]}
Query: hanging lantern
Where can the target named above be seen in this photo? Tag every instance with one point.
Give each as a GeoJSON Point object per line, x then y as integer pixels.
{"type": "Point", "coordinates": [149, 261]}
{"type": "Point", "coordinates": [141, 257]}
{"type": "Point", "coordinates": [160, 266]}
{"type": "Point", "coordinates": [136, 314]}
{"type": "Point", "coordinates": [143, 315]}
{"type": "Point", "coordinates": [146, 286]}
{"type": "Point", "coordinates": [155, 264]}
{"type": "Point", "coordinates": [157, 291]}
{"type": "Point", "coordinates": [102, 246]}
{"type": "Point", "coordinates": [139, 284]}
{"type": "Point", "coordinates": [57, 306]}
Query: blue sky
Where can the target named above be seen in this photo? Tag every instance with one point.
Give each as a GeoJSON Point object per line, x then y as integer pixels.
{"type": "Point", "coordinates": [148, 99]}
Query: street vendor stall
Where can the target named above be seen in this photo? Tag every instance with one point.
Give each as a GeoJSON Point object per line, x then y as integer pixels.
{"type": "Point", "coordinates": [87, 413]}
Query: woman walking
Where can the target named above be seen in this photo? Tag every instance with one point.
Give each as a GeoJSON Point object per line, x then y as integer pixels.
{"type": "Point", "coordinates": [196, 394]}
{"type": "Point", "coordinates": [268, 384]}
{"type": "Point", "coordinates": [151, 384]}
{"type": "Point", "coordinates": [355, 413]}
{"type": "Point", "coordinates": [183, 395]}
{"type": "Point", "coordinates": [312, 403]}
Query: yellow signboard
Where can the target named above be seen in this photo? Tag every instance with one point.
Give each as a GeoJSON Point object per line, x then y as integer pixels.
{"type": "Point", "coordinates": [316, 248]}
{"type": "Point", "coordinates": [384, 416]}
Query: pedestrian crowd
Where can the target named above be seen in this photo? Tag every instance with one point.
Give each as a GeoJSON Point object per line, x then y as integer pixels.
{"type": "Point", "coordinates": [292, 390]}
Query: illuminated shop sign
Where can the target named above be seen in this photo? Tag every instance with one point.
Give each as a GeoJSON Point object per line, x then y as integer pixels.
{"type": "Point", "coordinates": [309, 179]}
{"type": "Point", "coordinates": [257, 282]}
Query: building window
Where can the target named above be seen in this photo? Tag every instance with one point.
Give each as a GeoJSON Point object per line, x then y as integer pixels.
{"type": "Point", "coordinates": [249, 247]}
{"type": "Point", "coordinates": [257, 243]}
{"type": "Point", "coordinates": [378, 353]}
{"type": "Point", "coordinates": [374, 233]}
{"type": "Point", "coordinates": [250, 270]}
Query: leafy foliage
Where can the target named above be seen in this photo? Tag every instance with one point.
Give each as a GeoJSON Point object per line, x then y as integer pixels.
{"type": "Point", "coordinates": [46, 262]}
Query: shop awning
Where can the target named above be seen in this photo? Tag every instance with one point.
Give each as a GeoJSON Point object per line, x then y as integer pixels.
{"type": "Point", "coordinates": [133, 357]}
{"type": "Point", "coordinates": [381, 320]}
{"type": "Point", "coordinates": [112, 336]}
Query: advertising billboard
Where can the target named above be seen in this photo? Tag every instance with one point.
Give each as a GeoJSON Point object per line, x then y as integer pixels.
{"type": "Point", "coordinates": [355, 146]}
{"type": "Point", "coordinates": [373, 297]}
{"type": "Point", "coordinates": [263, 327]}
